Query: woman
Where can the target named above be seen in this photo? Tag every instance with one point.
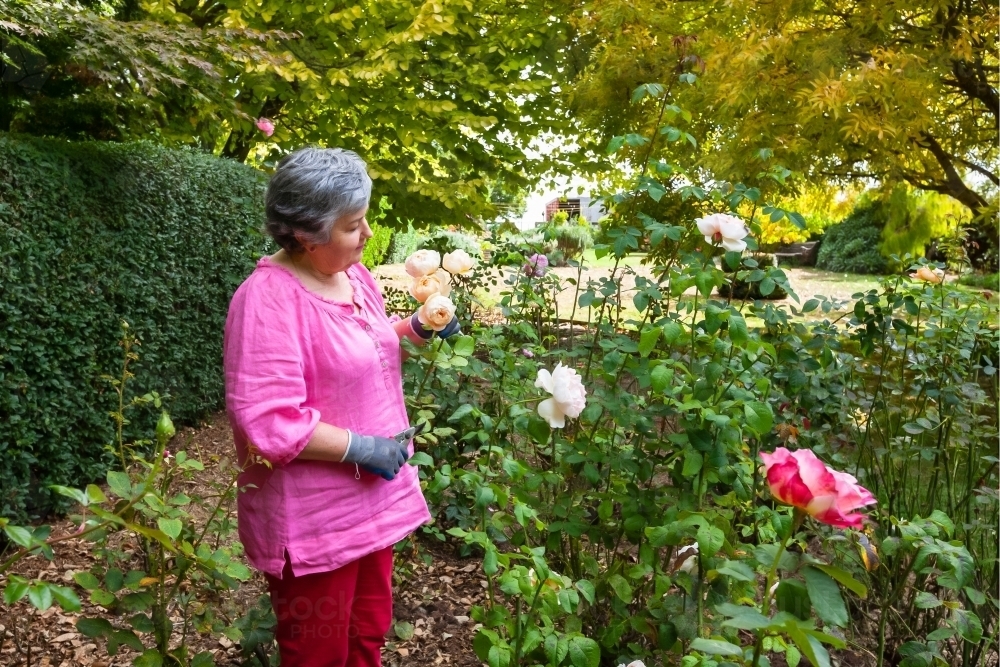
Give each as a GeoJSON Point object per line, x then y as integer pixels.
{"type": "Point", "coordinates": [314, 395]}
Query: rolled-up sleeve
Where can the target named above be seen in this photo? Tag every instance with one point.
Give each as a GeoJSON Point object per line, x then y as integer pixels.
{"type": "Point", "coordinates": [264, 367]}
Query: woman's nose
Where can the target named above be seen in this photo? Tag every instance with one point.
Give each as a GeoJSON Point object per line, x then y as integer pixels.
{"type": "Point", "coordinates": [366, 230]}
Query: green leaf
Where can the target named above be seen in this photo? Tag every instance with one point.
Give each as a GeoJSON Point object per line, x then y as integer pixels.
{"type": "Point", "coordinates": [705, 280]}
{"type": "Point", "coordinates": [659, 378]}
{"type": "Point", "coordinates": [95, 495]}
{"type": "Point", "coordinates": [845, 579]}
{"type": "Point", "coordinates": [738, 329]}
{"type": "Point", "coordinates": [120, 484]}
{"type": "Point", "coordinates": [114, 579]}
{"type": "Point", "coordinates": [968, 625]}
{"type": "Point", "coordinates": [615, 144]}
{"type": "Point", "coordinates": [464, 346]}
{"type": "Point", "coordinates": [171, 527]}
{"type": "Point", "coordinates": [584, 652]}
{"type": "Point", "coordinates": [15, 590]}
{"type": "Point", "coordinates": [716, 647]}
{"type": "Point", "coordinates": [814, 652]}
{"type": "Point", "coordinates": [102, 597]}
{"type": "Point", "coordinates": [693, 461]}
{"type": "Point", "coordinates": [925, 600]}
{"type": "Point", "coordinates": [792, 596]}
{"type": "Point", "coordinates": [648, 339]}
{"type": "Point", "coordinates": [93, 627]}
{"type": "Point", "coordinates": [18, 535]}
{"type": "Point", "coordinates": [759, 417]}
{"type": "Point", "coordinates": [538, 429]}
{"type": "Point", "coordinates": [403, 630]}
{"type": "Point", "coordinates": [672, 330]}
{"type": "Point", "coordinates": [587, 590]}
{"type": "Point", "coordinates": [238, 570]}
{"type": "Point", "coordinates": [40, 595]}
{"type": "Point", "coordinates": [824, 594]}
{"type": "Point", "coordinates": [75, 494]}
{"type": "Point", "coordinates": [737, 570]}
{"type": "Point", "coordinates": [710, 540]}
{"type": "Point", "coordinates": [743, 618]}
{"type": "Point", "coordinates": [621, 587]}
{"type": "Point", "coordinates": [463, 410]}
{"type": "Point", "coordinates": [420, 459]}
{"type": "Point", "coordinates": [767, 286]}
{"type": "Point", "coordinates": [203, 659]}
{"type": "Point", "coordinates": [65, 598]}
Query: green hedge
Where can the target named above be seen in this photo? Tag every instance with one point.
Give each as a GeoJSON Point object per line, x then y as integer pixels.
{"type": "Point", "coordinates": [853, 246]}
{"type": "Point", "coordinates": [91, 234]}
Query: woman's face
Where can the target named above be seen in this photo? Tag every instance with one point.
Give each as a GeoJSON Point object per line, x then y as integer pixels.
{"type": "Point", "coordinates": [347, 243]}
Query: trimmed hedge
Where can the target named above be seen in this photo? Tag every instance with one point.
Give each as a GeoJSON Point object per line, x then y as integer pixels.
{"type": "Point", "coordinates": [95, 233]}
{"type": "Point", "coordinates": [853, 246]}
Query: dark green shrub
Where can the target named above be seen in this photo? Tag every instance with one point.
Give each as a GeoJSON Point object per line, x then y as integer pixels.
{"type": "Point", "coordinates": [853, 245]}
{"type": "Point", "coordinates": [92, 234]}
{"type": "Point", "coordinates": [989, 281]}
{"type": "Point", "coordinates": [402, 244]}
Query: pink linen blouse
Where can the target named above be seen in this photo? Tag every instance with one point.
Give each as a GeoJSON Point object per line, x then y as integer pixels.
{"type": "Point", "coordinates": [293, 358]}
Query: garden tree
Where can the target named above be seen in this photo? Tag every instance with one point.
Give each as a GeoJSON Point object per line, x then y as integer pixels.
{"type": "Point", "coordinates": [838, 90]}
{"type": "Point", "coordinates": [438, 96]}
{"type": "Point", "coordinates": [82, 71]}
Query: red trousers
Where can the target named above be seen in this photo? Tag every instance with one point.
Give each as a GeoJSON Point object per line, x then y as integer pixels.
{"type": "Point", "coordinates": [334, 619]}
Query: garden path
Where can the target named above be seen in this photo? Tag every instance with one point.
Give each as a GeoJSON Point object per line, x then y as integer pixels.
{"type": "Point", "coordinates": [807, 283]}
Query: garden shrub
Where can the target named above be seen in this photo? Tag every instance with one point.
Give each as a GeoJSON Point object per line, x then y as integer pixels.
{"type": "Point", "coordinates": [402, 244]}
{"type": "Point", "coordinates": [377, 246]}
{"type": "Point", "coordinates": [853, 245]}
{"type": "Point", "coordinates": [446, 240]}
{"type": "Point", "coordinates": [990, 281]}
{"type": "Point", "coordinates": [92, 234]}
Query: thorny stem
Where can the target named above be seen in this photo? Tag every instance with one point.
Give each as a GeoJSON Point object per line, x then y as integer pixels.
{"type": "Point", "coordinates": [798, 516]}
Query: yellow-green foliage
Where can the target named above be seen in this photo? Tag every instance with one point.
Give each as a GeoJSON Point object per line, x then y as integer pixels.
{"type": "Point", "coordinates": [916, 218]}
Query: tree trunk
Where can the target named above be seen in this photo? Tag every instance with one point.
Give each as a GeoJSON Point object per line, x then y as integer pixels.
{"type": "Point", "coordinates": [982, 244]}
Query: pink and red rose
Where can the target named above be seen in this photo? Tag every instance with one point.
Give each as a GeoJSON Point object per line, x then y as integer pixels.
{"type": "Point", "coordinates": [801, 480]}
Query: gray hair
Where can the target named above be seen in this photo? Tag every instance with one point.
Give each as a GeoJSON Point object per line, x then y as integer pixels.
{"type": "Point", "coordinates": [310, 190]}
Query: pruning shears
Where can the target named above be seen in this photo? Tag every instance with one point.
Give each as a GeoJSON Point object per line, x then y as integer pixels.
{"type": "Point", "coordinates": [408, 434]}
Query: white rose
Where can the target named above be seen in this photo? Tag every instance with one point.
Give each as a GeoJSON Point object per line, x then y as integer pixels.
{"type": "Point", "coordinates": [438, 282]}
{"type": "Point", "coordinates": [423, 262]}
{"type": "Point", "coordinates": [724, 229]}
{"type": "Point", "coordinates": [458, 262]}
{"type": "Point", "coordinates": [569, 397]}
{"type": "Point", "coordinates": [437, 312]}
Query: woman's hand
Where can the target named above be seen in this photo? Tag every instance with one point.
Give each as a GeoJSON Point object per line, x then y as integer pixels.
{"type": "Point", "coordinates": [378, 455]}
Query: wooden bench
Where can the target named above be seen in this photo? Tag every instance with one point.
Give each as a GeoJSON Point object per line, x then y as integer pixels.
{"type": "Point", "coordinates": [797, 254]}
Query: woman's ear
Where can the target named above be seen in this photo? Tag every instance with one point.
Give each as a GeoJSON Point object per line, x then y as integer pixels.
{"type": "Point", "coordinates": [306, 245]}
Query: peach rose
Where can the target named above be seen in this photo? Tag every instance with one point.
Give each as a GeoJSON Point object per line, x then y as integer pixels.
{"type": "Point", "coordinates": [458, 262]}
{"type": "Point", "coordinates": [438, 282]}
{"type": "Point", "coordinates": [928, 275]}
{"type": "Point", "coordinates": [437, 312]}
{"type": "Point", "coordinates": [422, 263]}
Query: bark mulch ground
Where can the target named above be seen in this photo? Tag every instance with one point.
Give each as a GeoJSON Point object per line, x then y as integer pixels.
{"type": "Point", "coordinates": [434, 592]}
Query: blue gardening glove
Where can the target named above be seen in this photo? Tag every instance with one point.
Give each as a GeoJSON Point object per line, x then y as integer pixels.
{"type": "Point", "coordinates": [378, 455]}
{"type": "Point", "coordinates": [427, 333]}
{"type": "Point", "coordinates": [450, 330]}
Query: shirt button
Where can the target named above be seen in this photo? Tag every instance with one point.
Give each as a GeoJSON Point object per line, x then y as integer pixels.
{"type": "Point", "coordinates": [368, 327]}
{"type": "Point", "coordinates": [385, 364]}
